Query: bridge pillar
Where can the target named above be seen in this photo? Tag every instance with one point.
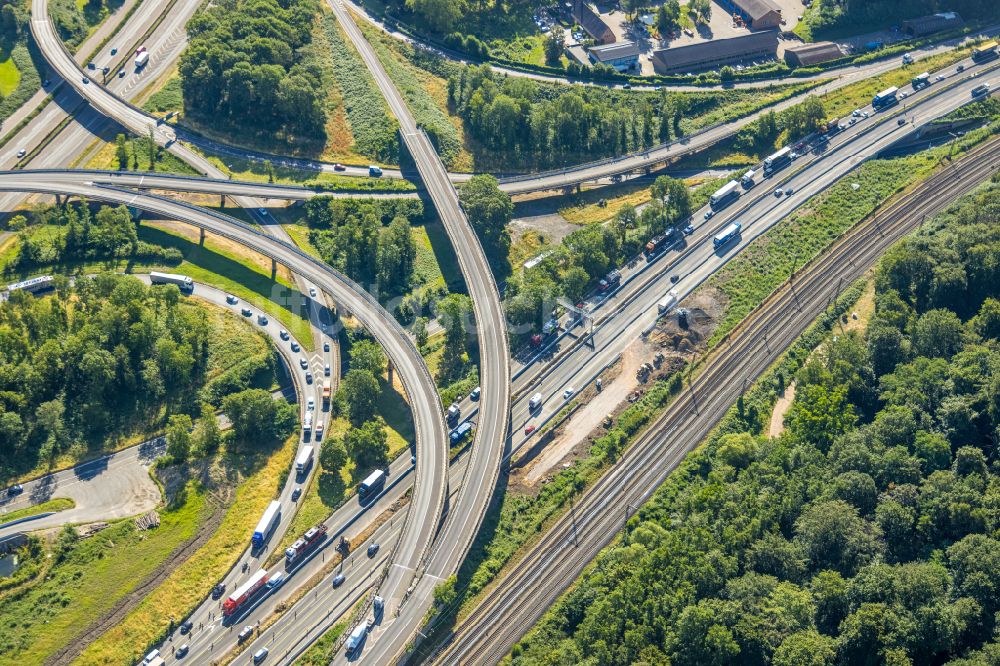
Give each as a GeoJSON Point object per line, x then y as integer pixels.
{"type": "Point", "coordinates": [201, 238]}
{"type": "Point", "coordinates": [389, 372]}
{"type": "Point", "coordinates": [274, 270]}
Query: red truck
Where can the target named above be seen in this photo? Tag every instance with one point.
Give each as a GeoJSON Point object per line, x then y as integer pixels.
{"type": "Point", "coordinates": [609, 282]}
{"type": "Point", "coordinates": [244, 593]}
{"type": "Point", "coordinates": [303, 545]}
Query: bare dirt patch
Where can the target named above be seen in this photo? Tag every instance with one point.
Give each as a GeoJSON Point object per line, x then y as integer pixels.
{"type": "Point", "coordinates": [781, 406]}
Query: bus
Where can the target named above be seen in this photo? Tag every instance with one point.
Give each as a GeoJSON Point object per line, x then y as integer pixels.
{"type": "Point", "coordinates": [885, 99]}
{"type": "Point", "coordinates": [266, 525]}
{"type": "Point", "coordinates": [985, 52]}
{"type": "Point", "coordinates": [372, 483]}
{"type": "Point", "coordinates": [727, 234]}
{"type": "Point", "coordinates": [778, 160]}
{"type": "Point", "coordinates": [921, 80]}
{"type": "Point", "coordinates": [724, 194]}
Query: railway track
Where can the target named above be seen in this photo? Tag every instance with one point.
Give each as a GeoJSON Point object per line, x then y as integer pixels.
{"type": "Point", "coordinates": [576, 538]}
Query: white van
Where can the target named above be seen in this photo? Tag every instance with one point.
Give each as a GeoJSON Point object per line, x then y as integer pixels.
{"type": "Point", "coordinates": [354, 640]}
{"type": "Point", "coordinates": [535, 402]}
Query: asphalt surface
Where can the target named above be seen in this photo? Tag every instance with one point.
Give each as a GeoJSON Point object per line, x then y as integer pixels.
{"type": "Point", "coordinates": [409, 587]}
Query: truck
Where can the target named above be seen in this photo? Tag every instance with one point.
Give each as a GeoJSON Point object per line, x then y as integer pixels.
{"type": "Point", "coordinates": [655, 245]}
{"type": "Point", "coordinates": [748, 179]}
{"type": "Point", "coordinates": [885, 99]}
{"type": "Point", "coordinates": [667, 302]}
{"type": "Point", "coordinates": [305, 460]}
{"type": "Point", "coordinates": [724, 195]}
{"type": "Point", "coordinates": [307, 422]}
{"type": "Point", "coordinates": [327, 391]}
{"type": "Point", "coordinates": [308, 541]}
{"type": "Point", "coordinates": [141, 57]}
{"type": "Point", "coordinates": [980, 90]}
{"type": "Point", "coordinates": [727, 234]}
{"type": "Point", "coordinates": [778, 160]}
{"type": "Point", "coordinates": [354, 641]}
{"type": "Point", "coordinates": [266, 524]}
{"type": "Point", "coordinates": [984, 52]}
{"type": "Point", "coordinates": [609, 282]}
{"type": "Point", "coordinates": [460, 433]}
{"type": "Point", "coordinates": [183, 282]}
{"type": "Point", "coordinates": [244, 593]}
{"type": "Point", "coordinates": [32, 285]}
{"type": "Point", "coordinates": [372, 483]}
{"type": "Point", "coordinates": [921, 80]}
{"type": "Point", "coordinates": [454, 411]}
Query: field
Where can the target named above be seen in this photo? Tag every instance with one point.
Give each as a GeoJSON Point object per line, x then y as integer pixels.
{"type": "Point", "coordinates": [10, 76]}
{"type": "Point", "coordinates": [256, 478]}
{"type": "Point", "coordinates": [138, 152]}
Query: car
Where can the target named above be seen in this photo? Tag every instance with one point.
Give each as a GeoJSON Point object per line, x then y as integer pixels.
{"type": "Point", "coordinates": [262, 211]}
{"type": "Point", "coordinates": [15, 489]}
{"type": "Point", "coordinates": [688, 230]}
{"type": "Point", "coordinates": [939, 77]}
{"type": "Point", "coordinates": [856, 113]}
{"type": "Point", "coordinates": [338, 580]}
{"type": "Point", "coordinates": [45, 83]}
{"type": "Point", "coordinates": [529, 429]}
{"type": "Point", "coordinates": [853, 120]}
{"type": "Point", "coordinates": [232, 300]}
{"type": "Point", "coordinates": [105, 70]}
{"type": "Point", "coordinates": [151, 657]}
{"type": "Point", "coordinates": [295, 346]}
{"type": "Point", "coordinates": [904, 95]}
{"type": "Point", "coordinates": [789, 191]}
{"type": "Point", "coordinates": [310, 404]}
{"type": "Point", "coordinates": [86, 80]}
{"type": "Point", "coordinates": [709, 214]}
{"type": "Point", "coordinates": [568, 393]}
{"type": "Point", "coordinates": [778, 192]}
{"type": "Point", "coordinates": [901, 121]}
{"type": "Point", "coordinates": [296, 493]}
{"type": "Point", "coordinates": [22, 152]}
{"type": "Point", "coordinates": [186, 627]}
{"type": "Point", "coordinates": [312, 292]}
{"type": "Point", "coordinates": [674, 279]}
{"type": "Point", "coordinates": [476, 392]}
{"type": "Point", "coordinates": [794, 155]}
{"type": "Point", "coordinates": [114, 50]}
{"type": "Point", "coordinates": [339, 167]}
{"type": "Point", "coordinates": [309, 377]}
{"type": "Point", "coordinates": [121, 73]}
{"type": "Point", "coordinates": [960, 68]}
{"type": "Point", "coordinates": [182, 651]}
{"type": "Point", "coordinates": [627, 86]}
{"type": "Point", "coordinates": [372, 550]}
{"type": "Point", "coordinates": [92, 65]}
{"type": "Point", "coordinates": [304, 363]}
{"type": "Point", "coordinates": [262, 320]}
{"type": "Point", "coordinates": [864, 114]}
{"type": "Point", "coordinates": [326, 369]}
{"type": "Point", "coordinates": [326, 345]}
{"type": "Point", "coordinates": [318, 430]}
{"type": "Point", "coordinates": [283, 334]}
{"type": "Point", "coordinates": [218, 590]}
{"type": "Point", "coordinates": [245, 633]}
{"type": "Point", "coordinates": [260, 655]}
{"type": "Point", "coordinates": [246, 312]}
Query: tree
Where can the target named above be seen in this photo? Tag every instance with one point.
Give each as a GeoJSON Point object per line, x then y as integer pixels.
{"type": "Point", "coordinates": [554, 44]}
{"type": "Point", "coordinates": [151, 147]}
{"type": "Point", "coordinates": [420, 331]}
{"type": "Point", "coordinates": [702, 9]}
{"type": "Point", "coordinates": [179, 437]}
{"type": "Point", "coordinates": [368, 444]}
{"type": "Point", "coordinates": [397, 254]}
{"type": "Point", "coordinates": [574, 283]}
{"type": "Point", "coordinates": [440, 15]}
{"type": "Point", "coordinates": [333, 456]}
{"type": "Point", "coordinates": [806, 648]}
{"type": "Point", "coordinates": [834, 536]}
{"type": "Point", "coordinates": [207, 435]}
{"type": "Point", "coordinates": [257, 418]}
{"type": "Point", "coordinates": [367, 355]}
{"type": "Point", "coordinates": [819, 414]}
{"type": "Point", "coordinates": [452, 312]}
{"type": "Point", "coordinates": [490, 211]}
{"type": "Point", "coordinates": [938, 333]}
{"type": "Point", "coordinates": [359, 392]}
{"type": "Point", "coordinates": [121, 150]}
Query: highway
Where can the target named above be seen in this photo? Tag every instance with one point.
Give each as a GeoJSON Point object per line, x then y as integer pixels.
{"type": "Point", "coordinates": [431, 448]}
{"type": "Point", "coordinates": [408, 591]}
{"type": "Point", "coordinates": [511, 608]}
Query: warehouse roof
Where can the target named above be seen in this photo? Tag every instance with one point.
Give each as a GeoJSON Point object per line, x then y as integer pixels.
{"type": "Point", "coordinates": [757, 9]}
{"type": "Point", "coordinates": [810, 54]}
{"type": "Point", "coordinates": [614, 51]}
{"type": "Point", "coordinates": [718, 50]}
{"type": "Point", "coordinates": [925, 25]}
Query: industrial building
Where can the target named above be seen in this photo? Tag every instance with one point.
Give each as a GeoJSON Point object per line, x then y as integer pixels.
{"type": "Point", "coordinates": [592, 23]}
{"type": "Point", "coordinates": [716, 53]}
{"type": "Point", "coordinates": [756, 14]}
{"type": "Point", "coordinates": [620, 55]}
{"type": "Point", "coordinates": [926, 25]}
{"type": "Point", "coordinates": [805, 55]}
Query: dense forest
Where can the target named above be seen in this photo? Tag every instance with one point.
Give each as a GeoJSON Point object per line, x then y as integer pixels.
{"type": "Point", "coordinates": [868, 532]}
{"type": "Point", "coordinates": [249, 66]}
{"type": "Point", "coordinates": [92, 360]}
{"type": "Point", "coordinates": [872, 14]}
{"type": "Point", "coordinates": [367, 240]}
